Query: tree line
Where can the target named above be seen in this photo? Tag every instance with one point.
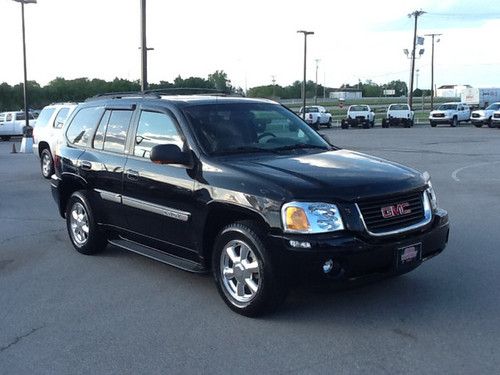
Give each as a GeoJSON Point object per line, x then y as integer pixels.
{"type": "Point", "coordinates": [79, 89]}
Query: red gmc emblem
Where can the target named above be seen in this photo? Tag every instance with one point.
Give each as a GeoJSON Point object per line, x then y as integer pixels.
{"type": "Point", "coordinates": [395, 210]}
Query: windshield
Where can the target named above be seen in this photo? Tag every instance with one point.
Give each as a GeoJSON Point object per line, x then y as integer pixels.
{"type": "Point", "coordinates": [399, 107]}
{"type": "Point", "coordinates": [447, 107]}
{"type": "Point", "coordinates": [494, 107]}
{"type": "Point", "coordinates": [358, 108]}
{"type": "Point", "coordinates": [250, 127]}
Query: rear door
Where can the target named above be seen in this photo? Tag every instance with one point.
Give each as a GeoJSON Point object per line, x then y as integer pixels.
{"type": "Point", "coordinates": [158, 198]}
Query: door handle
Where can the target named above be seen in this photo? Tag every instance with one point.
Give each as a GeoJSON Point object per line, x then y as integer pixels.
{"type": "Point", "coordinates": [86, 165]}
{"type": "Point", "coordinates": [132, 175]}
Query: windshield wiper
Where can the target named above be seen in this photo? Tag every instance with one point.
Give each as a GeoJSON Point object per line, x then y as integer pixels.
{"type": "Point", "coordinates": [298, 146]}
{"type": "Point", "coordinates": [242, 150]}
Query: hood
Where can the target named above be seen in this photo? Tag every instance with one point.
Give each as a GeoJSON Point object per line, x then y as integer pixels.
{"type": "Point", "coordinates": [479, 112]}
{"type": "Point", "coordinates": [333, 175]}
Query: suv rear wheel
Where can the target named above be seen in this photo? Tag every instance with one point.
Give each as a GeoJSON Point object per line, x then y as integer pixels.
{"type": "Point", "coordinates": [244, 273]}
{"type": "Point", "coordinates": [454, 122]}
{"type": "Point", "coordinates": [46, 163]}
{"type": "Point", "coordinates": [82, 227]}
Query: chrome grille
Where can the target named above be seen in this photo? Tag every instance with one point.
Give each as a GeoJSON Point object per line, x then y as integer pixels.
{"type": "Point", "coordinates": [371, 211]}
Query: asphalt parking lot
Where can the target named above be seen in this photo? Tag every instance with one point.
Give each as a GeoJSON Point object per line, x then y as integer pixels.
{"type": "Point", "coordinates": [62, 312]}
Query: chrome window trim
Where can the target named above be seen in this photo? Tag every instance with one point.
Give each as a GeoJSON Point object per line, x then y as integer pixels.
{"type": "Point", "coordinates": [426, 220]}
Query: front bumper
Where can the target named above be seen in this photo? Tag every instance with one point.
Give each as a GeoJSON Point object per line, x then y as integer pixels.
{"type": "Point", "coordinates": [358, 256]}
{"type": "Point", "coordinates": [441, 120]}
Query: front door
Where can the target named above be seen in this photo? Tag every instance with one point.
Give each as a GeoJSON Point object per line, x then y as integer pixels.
{"type": "Point", "coordinates": [158, 198]}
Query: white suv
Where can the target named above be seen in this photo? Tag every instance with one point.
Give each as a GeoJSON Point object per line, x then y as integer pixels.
{"type": "Point", "coordinates": [47, 132]}
{"type": "Point", "coordinates": [450, 113]}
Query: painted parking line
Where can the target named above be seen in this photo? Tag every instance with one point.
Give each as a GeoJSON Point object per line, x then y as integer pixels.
{"type": "Point", "coordinates": [455, 173]}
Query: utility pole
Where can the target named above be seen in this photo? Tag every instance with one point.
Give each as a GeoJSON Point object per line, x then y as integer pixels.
{"type": "Point", "coordinates": [316, 84]}
{"type": "Point", "coordinates": [274, 86]}
{"type": "Point", "coordinates": [415, 14]}
{"type": "Point", "coordinates": [144, 48]}
{"type": "Point", "coordinates": [306, 33]}
{"type": "Point", "coordinates": [432, 67]}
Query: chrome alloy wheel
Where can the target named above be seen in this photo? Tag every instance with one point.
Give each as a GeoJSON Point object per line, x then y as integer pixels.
{"type": "Point", "coordinates": [240, 271]}
{"type": "Point", "coordinates": [79, 223]}
{"type": "Point", "coordinates": [46, 164]}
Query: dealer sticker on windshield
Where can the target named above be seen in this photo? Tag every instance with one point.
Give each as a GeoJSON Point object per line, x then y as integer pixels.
{"type": "Point", "coordinates": [409, 254]}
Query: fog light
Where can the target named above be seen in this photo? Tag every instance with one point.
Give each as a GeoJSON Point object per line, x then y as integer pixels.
{"type": "Point", "coordinates": [328, 266]}
{"type": "Point", "coordinates": [301, 244]}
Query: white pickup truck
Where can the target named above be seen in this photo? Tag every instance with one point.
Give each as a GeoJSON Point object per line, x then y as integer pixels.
{"type": "Point", "coordinates": [357, 115]}
{"type": "Point", "coordinates": [484, 116]}
{"type": "Point", "coordinates": [450, 113]}
{"type": "Point", "coordinates": [316, 115]}
{"type": "Point", "coordinates": [495, 119]}
{"type": "Point", "coordinates": [398, 114]}
{"type": "Point", "coordinates": [12, 124]}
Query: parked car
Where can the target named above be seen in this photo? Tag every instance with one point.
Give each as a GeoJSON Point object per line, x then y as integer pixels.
{"type": "Point", "coordinates": [359, 115]}
{"type": "Point", "coordinates": [450, 113]}
{"type": "Point", "coordinates": [12, 124]}
{"type": "Point", "coordinates": [317, 115]}
{"type": "Point", "coordinates": [397, 115]}
{"type": "Point", "coordinates": [495, 119]}
{"type": "Point", "coordinates": [242, 188]}
{"type": "Point", "coordinates": [47, 133]}
{"type": "Point", "coordinates": [484, 116]}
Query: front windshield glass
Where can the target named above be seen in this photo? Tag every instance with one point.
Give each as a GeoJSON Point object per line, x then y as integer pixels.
{"type": "Point", "coordinates": [447, 107]}
{"type": "Point", "coordinates": [359, 108]}
{"type": "Point", "coordinates": [398, 107]}
{"type": "Point", "coordinates": [226, 128]}
{"type": "Point", "coordinates": [494, 107]}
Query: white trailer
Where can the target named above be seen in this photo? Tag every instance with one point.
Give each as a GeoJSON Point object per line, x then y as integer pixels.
{"type": "Point", "coordinates": [480, 97]}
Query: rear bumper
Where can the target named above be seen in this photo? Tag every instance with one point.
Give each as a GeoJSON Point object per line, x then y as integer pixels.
{"type": "Point", "coordinates": [360, 256]}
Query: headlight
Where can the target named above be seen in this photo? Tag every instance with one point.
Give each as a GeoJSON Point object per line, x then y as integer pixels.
{"type": "Point", "coordinates": [430, 191]}
{"type": "Point", "coordinates": [310, 217]}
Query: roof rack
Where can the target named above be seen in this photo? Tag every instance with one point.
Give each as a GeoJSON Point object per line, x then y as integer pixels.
{"type": "Point", "coordinates": [158, 92]}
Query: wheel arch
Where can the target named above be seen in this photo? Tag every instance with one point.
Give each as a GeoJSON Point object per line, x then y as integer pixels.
{"type": "Point", "coordinates": [69, 185]}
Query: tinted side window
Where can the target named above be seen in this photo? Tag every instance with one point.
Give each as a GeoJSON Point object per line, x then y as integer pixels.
{"type": "Point", "coordinates": [116, 133]}
{"type": "Point", "coordinates": [81, 128]}
{"type": "Point", "coordinates": [60, 118]}
{"type": "Point", "coordinates": [154, 129]}
{"type": "Point", "coordinates": [44, 117]}
{"type": "Point", "coordinates": [98, 142]}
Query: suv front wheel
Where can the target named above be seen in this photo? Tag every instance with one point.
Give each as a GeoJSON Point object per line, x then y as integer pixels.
{"type": "Point", "coordinates": [243, 271]}
{"type": "Point", "coordinates": [82, 227]}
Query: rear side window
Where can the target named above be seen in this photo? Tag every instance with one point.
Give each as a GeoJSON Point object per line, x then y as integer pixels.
{"type": "Point", "coordinates": [62, 115]}
{"type": "Point", "coordinates": [81, 128]}
{"type": "Point", "coordinates": [116, 132]}
{"type": "Point", "coordinates": [155, 129]}
{"type": "Point", "coordinates": [44, 117]}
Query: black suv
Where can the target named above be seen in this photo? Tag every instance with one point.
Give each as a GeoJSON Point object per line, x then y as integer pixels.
{"type": "Point", "coordinates": [241, 187]}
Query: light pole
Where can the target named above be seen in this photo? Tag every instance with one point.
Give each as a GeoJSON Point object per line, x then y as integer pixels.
{"type": "Point", "coordinates": [144, 49]}
{"type": "Point", "coordinates": [412, 58]}
{"type": "Point", "coordinates": [274, 86]}
{"type": "Point", "coordinates": [27, 142]}
{"type": "Point", "coordinates": [306, 33]}
{"type": "Point", "coordinates": [432, 67]}
{"type": "Point", "coordinates": [316, 83]}
{"type": "Point", "coordinates": [415, 14]}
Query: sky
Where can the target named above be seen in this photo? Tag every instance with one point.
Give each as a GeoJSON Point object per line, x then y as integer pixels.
{"type": "Point", "coordinates": [252, 41]}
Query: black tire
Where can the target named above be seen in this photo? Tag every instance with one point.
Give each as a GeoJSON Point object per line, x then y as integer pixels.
{"type": "Point", "coordinates": [412, 122]}
{"type": "Point", "coordinates": [5, 138]}
{"type": "Point", "coordinates": [315, 126]}
{"type": "Point", "coordinates": [95, 241]}
{"type": "Point", "coordinates": [433, 124]}
{"type": "Point", "coordinates": [490, 123]}
{"type": "Point", "coordinates": [271, 286]}
{"type": "Point", "coordinates": [366, 124]}
{"type": "Point", "coordinates": [384, 123]}
{"type": "Point", "coordinates": [454, 122]}
{"type": "Point", "coordinates": [372, 124]}
{"type": "Point", "coordinates": [329, 123]}
{"type": "Point", "coordinates": [46, 163]}
{"type": "Point", "coordinates": [344, 124]}
{"type": "Point", "coordinates": [478, 124]}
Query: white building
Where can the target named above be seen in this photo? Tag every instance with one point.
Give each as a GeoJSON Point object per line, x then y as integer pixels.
{"type": "Point", "coordinates": [451, 91]}
{"type": "Point", "coordinates": [347, 94]}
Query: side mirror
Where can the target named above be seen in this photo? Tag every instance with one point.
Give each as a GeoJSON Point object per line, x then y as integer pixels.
{"type": "Point", "coordinates": [171, 154]}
